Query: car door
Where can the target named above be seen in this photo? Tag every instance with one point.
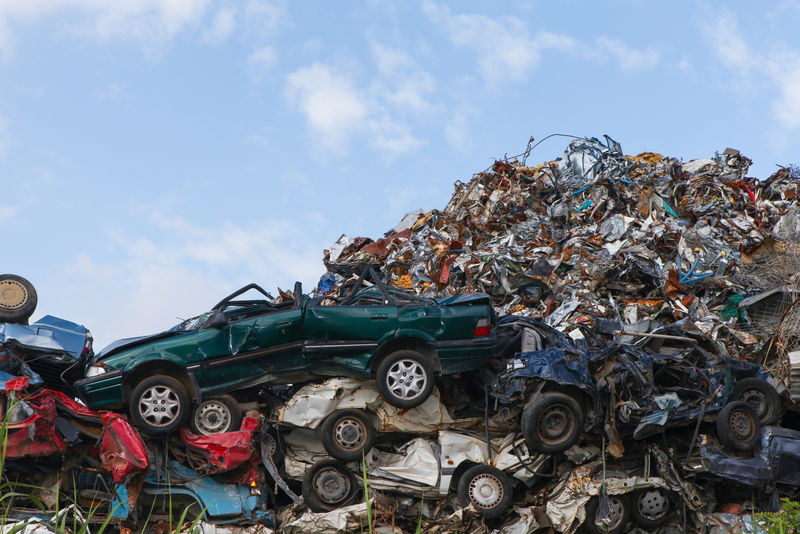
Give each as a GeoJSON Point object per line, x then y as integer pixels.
{"type": "Point", "coordinates": [250, 349]}
{"type": "Point", "coordinates": [351, 331]}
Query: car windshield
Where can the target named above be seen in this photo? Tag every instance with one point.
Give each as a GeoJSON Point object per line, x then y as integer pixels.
{"type": "Point", "coordinates": [191, 324]}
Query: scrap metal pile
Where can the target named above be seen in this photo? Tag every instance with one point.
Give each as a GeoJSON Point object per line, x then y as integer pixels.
{"type": "Point", "coordinates": [604, 343]}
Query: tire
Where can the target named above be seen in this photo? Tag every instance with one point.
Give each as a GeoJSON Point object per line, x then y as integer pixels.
{"type": "Point", "coordinates": [273, 446]}
{"type": "Point", "coordinates": [619, 516]}
{"type": "Point", "coordinates": [162, 393]}
{"type": "Point", "coordinates": [346, 433]}
{"type": "Point", "coordinates": [405, 378]}
{"type": "Point", "coordinates": [17, 299]}
{"type": "Point", "coordinates": [553, 423]}
{"type": "Point", "coordinates": [329, 485]}
{"type": "Point", "coordinates": [487, 489]}
{"type": "Point", "coordinates": [650, 507]}
{"type": "Point", "coordinates": [761, 396]}
{"type": "Point", "coordinates": [738, 426]}
{"type": "Point", "coordinates": [216, 415]}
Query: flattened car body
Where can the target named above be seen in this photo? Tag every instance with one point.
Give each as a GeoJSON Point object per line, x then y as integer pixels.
{"type": "Point", "coordinates": [245, 343]}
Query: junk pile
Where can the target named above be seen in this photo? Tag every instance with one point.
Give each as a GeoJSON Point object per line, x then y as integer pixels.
{"type": "Point", "coordinates": [602, 343]}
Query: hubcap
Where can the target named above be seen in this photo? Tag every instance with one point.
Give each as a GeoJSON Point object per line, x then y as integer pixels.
{"type": "Point", "coordinates": [331, 486]}
{"type": "Point", "coordinates": [653, 504]}
{"type": "Point", "coordinates": [757, 401]}
{"type": "Point", "coordinates": [615, 515]}
{"type": "Point", "coordinates": [350, 433]}
{"type": "Point", "coordinates": [212, 417]}
{"type": "Point", "coordinates": [13, 295]}
{"type": "Point", "coordinates": [159, 405]}
{"type": "Point", "coordinates": [485, 491]}
{"type": "Point", "coordinates": [556, 424]}
{"type": "Point", "coordinates": [406, 379]}
{"type": "Point", "coordinates": [742, 425]}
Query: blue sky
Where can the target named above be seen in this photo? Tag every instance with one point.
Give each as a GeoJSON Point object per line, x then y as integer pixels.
{"type": "Point", "coordinates": [156, 155]}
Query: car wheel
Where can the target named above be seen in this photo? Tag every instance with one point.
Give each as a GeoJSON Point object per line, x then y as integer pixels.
{"type": "Point", "coordinates": [761, 396]}
{"type": "Point", "coordinates": [487, 489]}
{"type": "Point", "coordinates": [329, 485]}
{"type": "Point", "coordinates": [738, 426]}
{"type": "Point", "coordinates": [216, 415]}
{"type": "Point", "coordinates": [615, 522]}
{"type": "Point", "coordinates": [405, 378]}
{"type": "Point", "coordinates": [159, 405]}
{"type": "Point", "coordinates": [271, 447]}
{"type": "Point", "coordinates": [17, 299]}
{"type": "Point", "coordinates": [553, 423]}
{"type": "Point", "coordinates": [650, 507]}
{"type": "Point", "coordinates": [346, 433]}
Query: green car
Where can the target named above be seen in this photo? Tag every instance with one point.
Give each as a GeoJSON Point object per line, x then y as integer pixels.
{"type": "Point", "coordinates": [401, 340]}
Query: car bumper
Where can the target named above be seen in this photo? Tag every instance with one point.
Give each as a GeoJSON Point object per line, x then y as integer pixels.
{"type": "Point", "coordinates": [101, 392]}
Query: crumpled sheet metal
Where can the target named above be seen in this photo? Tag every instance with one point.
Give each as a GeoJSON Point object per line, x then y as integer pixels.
{"type": "Point", "coordinates": [594, 234]}
{"type": "Point", "coordinates": [347, 519]}
{"type": "Point", "coordinates": [417, 461]}
{"type": "Point", "coordinates": [309, 407]}
{"type": "Point", "coordinates": [567, 509]}
{"type": "Point", "coordinates": [226, 451]}
{"type": "Point", "coordinates": [122, 451]}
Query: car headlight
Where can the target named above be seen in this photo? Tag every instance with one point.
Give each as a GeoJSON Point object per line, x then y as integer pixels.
{"type": "Point", "coordinates": [95, 370]}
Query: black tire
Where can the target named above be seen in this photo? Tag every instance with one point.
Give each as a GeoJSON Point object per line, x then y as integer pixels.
{"type": "Point", "coordinates": [159, 405]}
{"type": "Point", "coordinates": [738, 426]}
{"type": "Point", "coordinates": [553, 423]}
{"type": "Point", "coordinates": [487, 489]}
{"type": "Point", "coordinates": [620, 515]}
{"type": "Point", "coordinates": [329, 485]}
{"type": "Point", "coordinates": [405, 378]}
{"type": "Point", "coordinates": [273, 446]}
{"type": "Point", "coordinates": [761, 396]}
{"type": "Point", "coordinates": [346, 433]}
{"type": "Point", "coordinates": [216, 415]}
{"type": "Point", "coordinates": [17, 299]}
{"type": "Point", "coordinates": [650, 507]}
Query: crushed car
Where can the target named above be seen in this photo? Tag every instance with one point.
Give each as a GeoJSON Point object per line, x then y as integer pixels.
{"type": "Point", "coordinates": [402, 340]}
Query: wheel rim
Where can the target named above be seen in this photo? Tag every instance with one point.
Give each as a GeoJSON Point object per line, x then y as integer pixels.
{"type": "Point", "coordinates": [406, 379]}
{"type": "Point", "coordinates": [331, 486]}
{"type": "Point", "coordinates": [212, 417]}
{"type": "Point", "coordinates": [159, 405]}
{"type": "Point", "coordinates": [350, 433]}
{"type": "Point", "coordinates": [556, 424]}
{"type": "Point", "coordinates": [615, 515]}
{"type": "Point", "coordinates": [485, 491]}
{"type": "Point", "coordinates": [652, 504]}
{"type": "Point", "coordinates": [13, 295]}
{"type": "Point", "coordinates": [742, 425]}
{"type": "Point", "coordinates": [271, 445]}
{"type": "Point", "coordinates": [757, 401]}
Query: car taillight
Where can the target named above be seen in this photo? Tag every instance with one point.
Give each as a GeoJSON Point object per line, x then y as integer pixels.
{"type": "Point", "coordinates": [483, 328]}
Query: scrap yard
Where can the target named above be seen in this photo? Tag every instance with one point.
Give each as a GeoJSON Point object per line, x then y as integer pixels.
{"type": "Point", "coordinates": [601, 343]}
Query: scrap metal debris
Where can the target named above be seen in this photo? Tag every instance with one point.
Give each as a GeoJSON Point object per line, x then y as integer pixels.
{"type": "Point", "coordinates": [646, 371]}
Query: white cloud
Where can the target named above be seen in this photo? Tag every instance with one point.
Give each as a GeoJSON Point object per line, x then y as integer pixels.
{"type": "Point", "coordinates": [222, 26]}
{"type": "Point", "coordinates": [337, 110]}
{"type": "Point", "coordinates": [151, 22]}
{"type": "Point", "coordinates": [6, 39]}
{"type": "Point", "coordinates": [504, 49]}
{"type": "Point", "coordinates": [776, 68]}
{"type": "Point", "coordinates": [629, 58]}
{"type": "Point", "coordinates": [334, 109]}
{"type": "Point", "coordinates": [265, 18]}
{"type": "Point", "coordinates": [407, 86]}
{"type": "Point", "coordinates": [261, 61]}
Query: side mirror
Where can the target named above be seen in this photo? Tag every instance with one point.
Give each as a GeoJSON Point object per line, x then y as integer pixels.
{"type": "Point", "coordinates": [218, 320]}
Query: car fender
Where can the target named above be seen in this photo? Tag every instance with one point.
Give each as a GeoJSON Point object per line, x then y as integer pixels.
{"type": "Point", "coordinates": [137, 362]}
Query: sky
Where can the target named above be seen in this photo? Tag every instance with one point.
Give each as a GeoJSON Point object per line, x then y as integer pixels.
{"type": "Point", "coordinates": [157, 155]}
